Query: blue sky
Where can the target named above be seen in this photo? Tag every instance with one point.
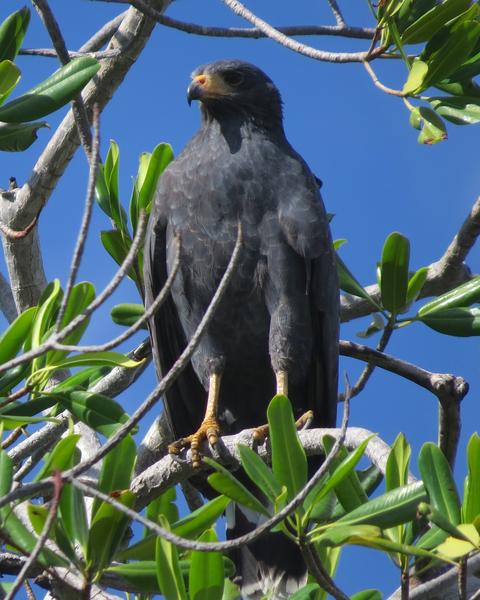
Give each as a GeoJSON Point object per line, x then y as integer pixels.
{"type": "Point", "coordinates": [377, 179]}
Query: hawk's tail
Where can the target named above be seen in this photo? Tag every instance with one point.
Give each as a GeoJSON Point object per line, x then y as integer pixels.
{"type": "Point", "coordinates": [271, 566]}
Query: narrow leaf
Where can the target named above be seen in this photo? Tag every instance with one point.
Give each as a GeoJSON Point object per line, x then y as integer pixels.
{"type": "Point", "coordinates": [207, 576]}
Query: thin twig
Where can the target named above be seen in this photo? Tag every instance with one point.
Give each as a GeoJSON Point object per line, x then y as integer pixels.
{"type": "Point", "coordinates": [52, 514]}
{"type": "Point", "coordinates": [341, 29]}
{"type": "Point", "coordinates": [13, 437]}
{"type": "Point", "coordinates": [149, 312]}
{"type": "Point", "coordinates": [462, 579]}
{"type": "Point", "coordinates": [78, 106]}
{"type": "Point", "coordinates": [318, 571]}
{"type": "Point", "coordinates": [87, 216]}
{"type": "Point", "coordinates": [368, 370]}
{"type": "Point", "coordinates": [337, 13]}
{"type": "Point", "coordinates": [405, 584]}
{"type": "Point", "coordinates": [376, 81]}
{"type": "Point", "coordinates": [18, 234]}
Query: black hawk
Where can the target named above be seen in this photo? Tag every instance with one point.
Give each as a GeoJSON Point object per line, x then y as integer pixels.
{"type": "Point", "coordinates": [276, 328]}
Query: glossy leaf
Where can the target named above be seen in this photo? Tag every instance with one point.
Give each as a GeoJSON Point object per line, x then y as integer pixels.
{"type": "Point", "coordinates": [12, 377]}
{"type": "Point", "coordinates": [15, 335]}
{"type": "Point", "coordinates": [206, 577]}
{"type": "Point", "coordinates": [396, 472]}
{"type": "Point", "coordinates": [107, 531]}
{"type": "Point", "coordinates": [81, 295]}
{"type": "Point", "coordinates": [9, 77]}
{"type": "Point", "coordinates": [19, 137]}
{"type": "Point", "coordinates": [376, 324]}
{"type": "Point", "coordinates": [51, 94]}
{"type": "Point", "coordinates": [471, 498]}
{"type": "Point", "coordinates": [6, 473]}
{"type": "Point", "coordinates": [456, 548]}
{"type": "Point", "coordinates": [259, 473]}
{"type": "Point", "coordinates": [13, 422]}
{"type": "Point", "coordinates": [459, 110]}
{"type": "Point", "coordinates": [429, 23]}
{"type": "Point", "coordinates": [93, 359]}
{"type": "Point", "coordinates": [112, 181]}
{"type": "Point", "coordinates": [433, 128]}
{"type": "Point", "coordinates": [415, 285]}
{"type": "Point", "coordinates": [342, 470]}
{"type": "Point", "coordinates": [289, 462]}
{"type": "Point", "coordinates": [61, 458]}
{"type": "Point", "coordinates": [117, 469]}
{"type": "Point", "coordinates": [463, 295]}
{"type": "Point", "coordinates": [307, 592]}
{"type": "Point", "coordinates": [49, 302]}
{"type": "Point", "coordinates": [99, 412]}
{"type": "Point", "coordinates": [166, 505]}
{"type": "Point", "coordinates": [225, 483]}
{"type": "Point", "coordinates": [394, 272]}
{"type": "Point", "coordinates": [349, 284]}
{"type": "Point", "coordinates": [436, 517]}
{"type": "Point", "coordinates": [117, 246]}
{"type": "Point", "coordinates": [439, 483]}
{"type": "Point", "coordinates": [168, 569]}
{"type": "Point", "coordinates": [12, 32]}
{"type": "Point", "coordinates": [447, 52]}
{"type": "Point", "coordinates": [348, 490]}
{"type": "Point", "coordinates": [367, 595]}
{"type": "Point", "coordinates": [390, 509]}
{"type": "Point", "coordinates": [127, 314]}
{"type": "Point", "coordinates": [460, 322]}
{"type": "Point", "coordinates": [74, 515]}
{"type": "Point", "coordinates": [416, 77]}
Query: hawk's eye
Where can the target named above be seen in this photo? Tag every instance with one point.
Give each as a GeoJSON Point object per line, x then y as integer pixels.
{"type": "Point", "coordinates": [233, 77]}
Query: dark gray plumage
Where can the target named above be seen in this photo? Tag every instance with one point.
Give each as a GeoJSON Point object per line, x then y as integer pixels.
{"type": "Point", "coordinates": [280, 311]}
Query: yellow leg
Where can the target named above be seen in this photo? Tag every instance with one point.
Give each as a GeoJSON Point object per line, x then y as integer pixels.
{"type": "Point", "coordinates": [208, 430]}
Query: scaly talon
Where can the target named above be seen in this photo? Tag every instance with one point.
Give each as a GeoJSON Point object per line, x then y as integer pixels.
{"type": "Point", "coordinates": [209, 429]}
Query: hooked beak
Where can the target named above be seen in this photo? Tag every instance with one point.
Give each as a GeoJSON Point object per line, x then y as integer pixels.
{"type": "Point", "coordinates": [196, 89]}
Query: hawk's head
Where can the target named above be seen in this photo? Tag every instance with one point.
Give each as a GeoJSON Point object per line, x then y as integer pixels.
{"type": "Point", "coordinates": [227, 86]}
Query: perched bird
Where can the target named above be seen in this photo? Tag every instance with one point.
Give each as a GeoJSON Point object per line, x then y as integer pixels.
{"type": "Point", "coordinates": [276, 328]}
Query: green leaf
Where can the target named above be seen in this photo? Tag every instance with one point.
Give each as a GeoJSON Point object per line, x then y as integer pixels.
{"type": "Point", "coordinates": [12, 422]}
{"type": "Point", "coordinates": [127, 314]}
{"type": "Point", "coordinates": [81, 295]}
{"type": "Point", "coordinates": [168, 569]}
{"type": "Point", "coordinates": [259, 473]}
{"type": "Point", "coordinates": [15, 335]}
{"type": "Point", "coordinates": [12, 32]}
{"type": "Point", "coordinates": [394, 272]}
{"type": "Point", "coordinates": [225, 483]}
{"type": "Point", "coordinates": [117, 469]}
{"type": "Point", "coordinates": [433, 128]}
{"type": "Point", "coordinates": [9, 77]}
{"type": "Point", "coordinates": [73, 515]}
{"type": "Point", "coordinates": [348, 489]}
{"type": "Point", "coordinates": [375, 325]}
{"type": "Point", "coordinates": [201, 519]}
{"type": "Point", "coordinates": [471, 497]}
{"type": "Point", "coordinates": [349, 284]}
{"type": "Point", "coordinates": [6, 473]}
{"type": "Point", "coordinates": [93, 359]}
{"type": "Point", "coordinates": [102, 194]}
{"type": "Point", "coordinates": [367, 595]}
{"type": "Point", "coordinates": [117, 246]}
{"type": "Point", "coordinates": [448, 50]}
{"type": "Point", "coordinates": [107, 531]}
{"type": "Point", "coordinates": [49, 302]}
{"type": "Point", "coordinates": [99, 412]}
{"type": "Point", "coordinates": [111, 178]}
{"type": "Point", "coordinates": [19, 137]}
{"type": "Point", "coordinates": [61, 457]}
{"type": "Point", "coordinates": [416, 77]}
{"type": "Point", "coordinates": [289, 462]}
{"type": "Point", "coordinates": [415, 284]}
{"type": "Point", "coordinates": [459, 110]}
{"type": "Point", "coordinates": [390, 509]}
{"type": "Point", "coordinates": [430, 22]}
{"type": "Point", "coordinates": [460, 322]}
{"type": "Point", "coordinates": [339, 474]}
{"type": "Point", "coordinates": [396, 472]}
{"type": "Point", "coordinates": [206, 577]}
{"type": "Point", "coordinates": [439, 483]}
{"type": "Point", "coordinates": [464, 295]}
{"type": "Point", "coordinates": [51, 94]}
{"type": "Point", "coordinates": [166, 505]}
{"type": "Point", "coordinates": [307, 592]}
{"type": "Point", "coordinates": [141, 576]}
